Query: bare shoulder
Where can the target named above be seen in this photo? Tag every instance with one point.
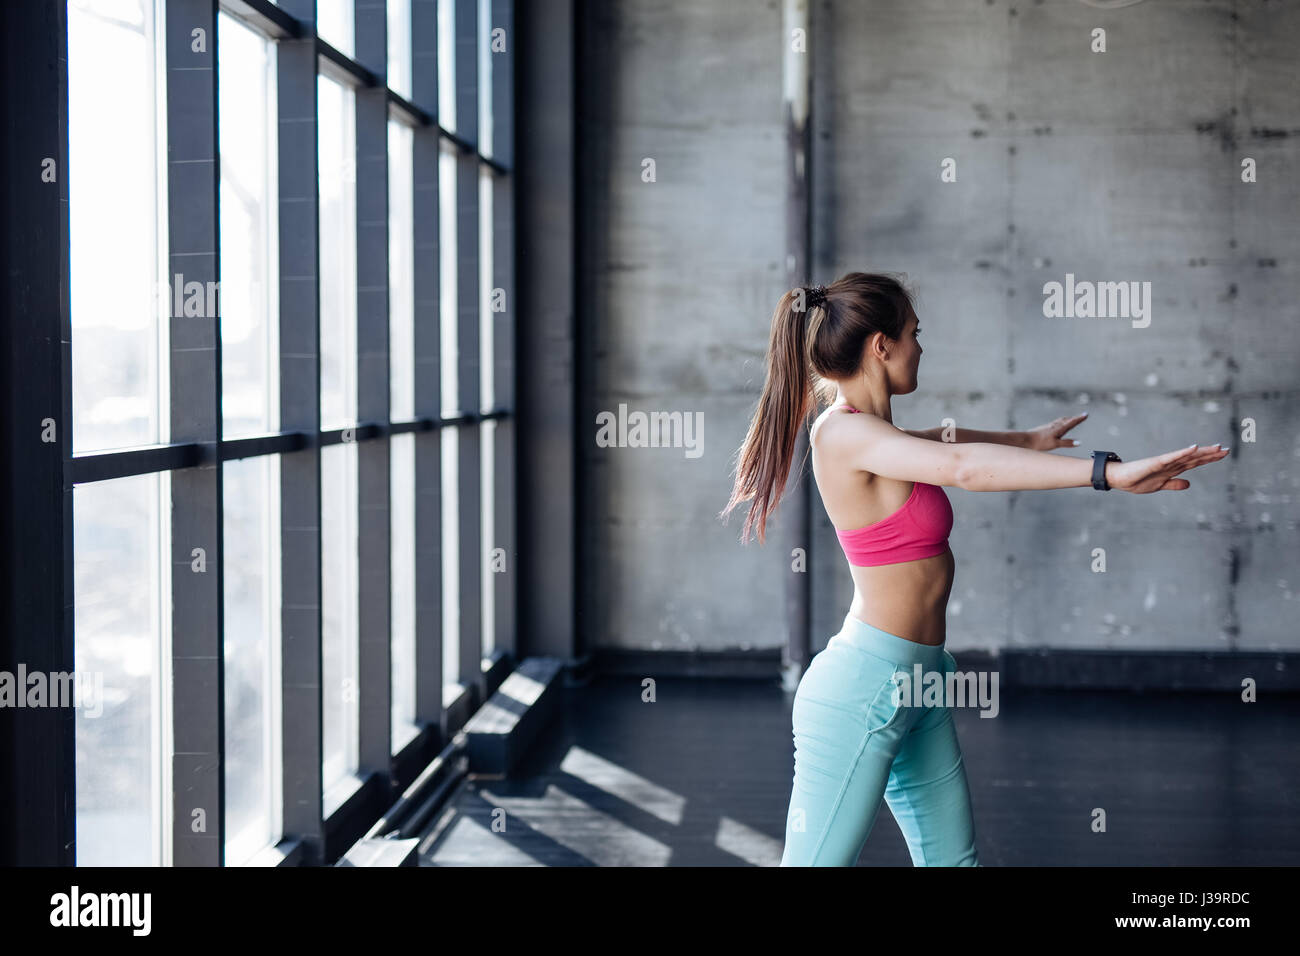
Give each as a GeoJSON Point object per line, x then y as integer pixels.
{"type": "Point", "coordinates": [862, 442]}
{"type": "Point", "coordinates": [838, 432]}
{"type": "Point", "coordinates": [837, 427]}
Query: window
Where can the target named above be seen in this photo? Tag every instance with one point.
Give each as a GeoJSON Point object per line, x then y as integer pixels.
{"type": "Point", "coordinates": [487, 469]}
{"type": "Point", "coordinates": [250, 364]}
{"type": "Point", "coordinates": [118, 299]}
{"type": "Point", "coordinates": [122, 649]}
{"type": "Point", "coordinates": [399, 47]}
{"type": "Point", "coordinates": [117, 185]}
{"type": "Point", "coordinates": [340, 629]}
{"type": "Point", "coordinates": [339, 626]}
{"type": "Point", "coordinates": [334, 24]}
{"type": "Point", "coordinates": [251, 553]}
{"type": "Point", "coordinates": [450, 567]}
{"type": "Point", "coordinates": [485, 314]}
{"type": "Point", "coordinates": [447, 64]}
{"type": "Point", "coordinates": [485, 77]}
{"type": "Point", "coordinates": [487, 512]}
{"type": "Point", "coordinates": [248, 118]}
{"type": "Point", "coordinates": [219, 234]}
{"type": "Point", "coordinates": [401, 338]}
{"type": "Point", "coordinates": [401, 271]}
{"type": "Point", "coordinates": [449, 318]}
{"type": "Point", "coordinates": [402, 476]}
{"type": "Point", "coordinates": [449, 292]}
{"type": "Point", "coordinates": [338, 253]}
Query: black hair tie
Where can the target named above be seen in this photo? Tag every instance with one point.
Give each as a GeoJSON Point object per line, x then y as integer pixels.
{"type": "Point", "coordinates": [814, 296]}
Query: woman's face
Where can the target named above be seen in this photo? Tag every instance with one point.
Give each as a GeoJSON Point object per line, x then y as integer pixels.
{"type": "Point", "coordinates": [905, 358]}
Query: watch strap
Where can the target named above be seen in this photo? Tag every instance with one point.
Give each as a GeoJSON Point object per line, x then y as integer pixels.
{"type": "Point", "coordinates": [1099, 459]}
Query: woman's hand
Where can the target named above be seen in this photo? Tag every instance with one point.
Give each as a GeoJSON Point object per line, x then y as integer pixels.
{"type": "Point", "coordinates": [1146, 475]}
{"type": "Point", "coordinates": [1047, 437]}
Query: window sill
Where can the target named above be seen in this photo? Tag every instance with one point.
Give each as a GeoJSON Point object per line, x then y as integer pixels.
{"type": "Point", "coordinates": [284, 853]}
{"type": "Point", "coordinates": [403, 736]}
{"type": "Point", "coordinates": [338, 795]}
{"type": "Point", "coordinates": [453, 695]}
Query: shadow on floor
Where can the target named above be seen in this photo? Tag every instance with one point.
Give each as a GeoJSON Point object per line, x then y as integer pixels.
{"type": "Point", "coordinates": [701, 777]}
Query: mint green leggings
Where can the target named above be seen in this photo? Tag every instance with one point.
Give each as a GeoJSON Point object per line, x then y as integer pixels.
{"type": "Point", "coordinates": [853, 745]}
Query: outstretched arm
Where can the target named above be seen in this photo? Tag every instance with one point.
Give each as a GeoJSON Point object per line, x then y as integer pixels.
{"type": "Point", "coordinates": [882, 449]}
{"type": "Point", "coordinates": [1043, 438]}
{"type": "Point", "coordinates": [965, 435]}
{"type": "Point", "coordinates": [983, 467]}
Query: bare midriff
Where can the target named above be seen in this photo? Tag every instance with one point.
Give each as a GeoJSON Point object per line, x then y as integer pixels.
{"type": "Point", "coordinates": [909, 600]}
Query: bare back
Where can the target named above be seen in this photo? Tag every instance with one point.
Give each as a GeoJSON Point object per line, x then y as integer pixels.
{"type": "Point", "coordinates": [908, 599]}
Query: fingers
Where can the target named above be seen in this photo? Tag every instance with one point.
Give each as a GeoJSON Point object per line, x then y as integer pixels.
{"type": "Point", "coordinates": [1207, 455]}
{"type": "Point", "coordinates": [1173, 460]}
{"type": "Point", "coordinates": [1179, 455]}
{"type": "Point", "coordinates": [1059, 426]}
{"type": "Point", "coordinates": [1194, 457]}
{"type": "Point", "coordinates": [1172, 463]}
{"type": "Point", "coordinates": [1064, 424]}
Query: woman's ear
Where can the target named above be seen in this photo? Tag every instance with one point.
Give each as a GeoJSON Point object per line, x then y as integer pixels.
{"type": "Point", "coordinates": [878, 345]}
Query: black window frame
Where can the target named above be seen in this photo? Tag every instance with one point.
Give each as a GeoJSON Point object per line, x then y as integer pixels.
{"type": "Point", "coordinates": [42, 746]}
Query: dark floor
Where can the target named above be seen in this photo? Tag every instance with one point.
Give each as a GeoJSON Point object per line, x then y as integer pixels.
{"type": "Point", "coordinates": [702, 778]}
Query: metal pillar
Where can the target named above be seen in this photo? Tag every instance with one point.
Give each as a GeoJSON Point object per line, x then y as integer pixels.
{"type": "Point", "coordinates": [796, 526]}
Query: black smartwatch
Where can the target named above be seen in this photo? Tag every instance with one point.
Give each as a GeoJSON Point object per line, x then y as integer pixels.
{"type": "Point", "coordinates": [1099, 459]}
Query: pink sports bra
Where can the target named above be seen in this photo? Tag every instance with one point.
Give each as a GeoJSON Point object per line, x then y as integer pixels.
{"type": "Point", "coordinates": [917, 530]}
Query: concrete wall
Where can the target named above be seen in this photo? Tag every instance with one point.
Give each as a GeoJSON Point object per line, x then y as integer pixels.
{"type": "Point", "coordinates": [1115, 166]}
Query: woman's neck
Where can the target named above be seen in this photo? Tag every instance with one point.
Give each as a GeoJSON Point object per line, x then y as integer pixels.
{"type": "Point", "coordinates": [866, 402]}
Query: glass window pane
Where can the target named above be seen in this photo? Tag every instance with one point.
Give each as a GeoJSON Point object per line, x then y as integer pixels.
{"type": "Point", "coordinates": [334, 24]}
{"type": "Point", "coordinates": [486, 398]}
{"type": "Point", "coordinates": [402, 479]}
{"type": "Point", "coordinates": [339, 620]}
{"type": "Point", "coordinates": [447, 64]}
{"type": "Point", "coordinates": [399, 47]}
{"type": "Point", "coordinates": [122, 664]}
{"type": "Point", "coordinates": [450, 567]}
{"type": "Point", "coordinates": [338, 254]}
{"type": "Point", "coordinates": [117, 186]}
{"type": "Point", "coordinates": [401, 271]}
{"type": "Point", "coordinates": [487, 488]}
{"type": "Point", "coordinates": [447, 282]}
{"type": "Point", "coordinates": [485, 77]}
{"type": "Point", "coordinates": [487, 392]}
{"type": "Point", "coordinates": [251, 570]}
{"type": "Point", "coordinates": [250, 400]}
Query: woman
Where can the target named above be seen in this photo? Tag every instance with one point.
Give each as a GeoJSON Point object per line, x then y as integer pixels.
{"type": "Point", "coordinates": [854, 344]}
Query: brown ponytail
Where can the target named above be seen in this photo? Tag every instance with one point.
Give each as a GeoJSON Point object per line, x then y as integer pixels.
{"type": "Point", "coordinates": [810, 346]}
